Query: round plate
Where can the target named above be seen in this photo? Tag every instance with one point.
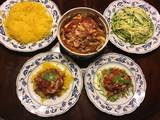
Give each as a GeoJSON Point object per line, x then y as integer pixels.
{"type": "Point", "coordinates": [13, 44]}
{"type": "Point", "coordinates": [152, 43]}
{"type": "Point", "coordinates": [123, 106]}
{"type": "Point", "coordinates": [57, 107]}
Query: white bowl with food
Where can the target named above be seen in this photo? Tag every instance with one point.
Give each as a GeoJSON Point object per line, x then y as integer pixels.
{"type": "Point", "coordinates": [28, 26]}
{"type": "Point", "coordinates": [83, 31]}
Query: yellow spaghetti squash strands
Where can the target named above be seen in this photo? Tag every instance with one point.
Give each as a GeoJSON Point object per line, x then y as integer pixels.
{"type": "Point", "coordinates": [28, 22]}
{"type": "Point", "coordinates": [68, 77]}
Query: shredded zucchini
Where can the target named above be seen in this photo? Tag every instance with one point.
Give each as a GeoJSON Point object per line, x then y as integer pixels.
{"type": "Point", "coordinates": [132, 25]}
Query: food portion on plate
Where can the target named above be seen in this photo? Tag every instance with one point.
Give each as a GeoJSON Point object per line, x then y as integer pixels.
{"type": "Point", "coordinates": [28, 22]}
{"type": "Point", "coordinates": [49, 84]}
{"type": "Point", "coordinates": [113, 83]}
{"type": "Point", "coordinates": [83, 33]}
{"type": "Point", "coordinates": [51, 79]}
{"type": "Point", "coordinates": [28, 26]}
{"type": "Point", "coordinates": [132, 25]}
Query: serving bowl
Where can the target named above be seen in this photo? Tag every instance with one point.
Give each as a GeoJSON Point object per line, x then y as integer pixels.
{"type": "Point", "coordinates": [77, 13]}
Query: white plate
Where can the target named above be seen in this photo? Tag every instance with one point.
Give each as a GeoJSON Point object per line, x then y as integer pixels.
{"type": "Point", "coordinates": [57, 105]}
{"type": "Point", "coordinates": [152, 43]}
{"type": "Point", "coordinates": [122, 106]}
{"type": "Point", "coordinates": [13, 44]}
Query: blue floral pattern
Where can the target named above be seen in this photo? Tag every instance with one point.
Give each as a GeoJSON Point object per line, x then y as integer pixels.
{"type": "Point", "coordinates": [42, 110]}
{"type": "Point", "coordinates": [14, 45]}
{"type": "Point", "coordinates": [103, 105]}
{"type": "Point", "coordinates": [152, 43]}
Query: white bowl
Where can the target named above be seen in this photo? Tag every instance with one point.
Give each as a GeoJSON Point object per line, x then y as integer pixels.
{"type": "Point", "coordinates": [69, 14]}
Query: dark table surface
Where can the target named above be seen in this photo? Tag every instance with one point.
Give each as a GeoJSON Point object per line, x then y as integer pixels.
{"type": "Point", "coordinates": [11, 62]}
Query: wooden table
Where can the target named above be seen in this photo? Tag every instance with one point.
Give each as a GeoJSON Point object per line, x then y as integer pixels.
{"type": "Point", "coordinates": [11, 62]}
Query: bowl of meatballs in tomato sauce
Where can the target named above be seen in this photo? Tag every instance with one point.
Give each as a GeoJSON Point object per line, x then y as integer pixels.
{"type": "Point", "coordinates": [83, 32]}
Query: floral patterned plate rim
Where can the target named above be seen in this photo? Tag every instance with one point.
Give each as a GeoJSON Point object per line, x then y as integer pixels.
{"type": "Point", "coordinates": [27, 99]}
{"type": "Point", "coordinates": [152, 43]}
{"type": "Point", "coordinates": [105, 106]}
{"type": "Point", "coordinates": [31, 47]}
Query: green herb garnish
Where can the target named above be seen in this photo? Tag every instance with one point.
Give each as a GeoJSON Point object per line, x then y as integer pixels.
{"type": "Point", "coordinates": [120, 80]}
{"type": "Point", "coordinates": [50, 76]}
